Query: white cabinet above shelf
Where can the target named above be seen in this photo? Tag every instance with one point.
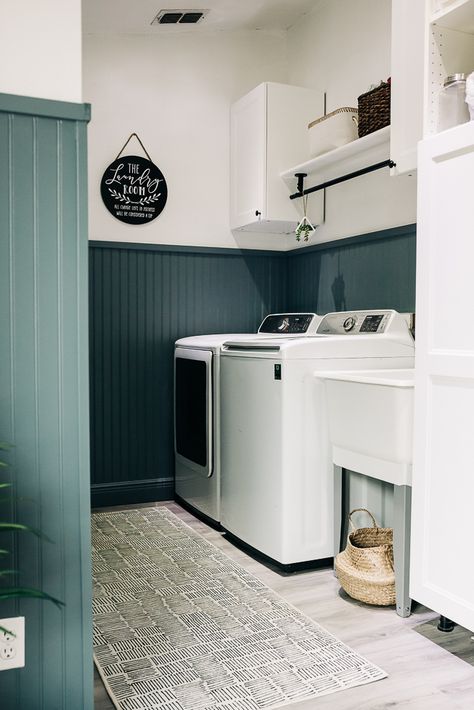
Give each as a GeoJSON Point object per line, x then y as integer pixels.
{"type": "Point", "coordinates": [352, 157]}
{"type": "Point", "coordinates": [265, 137]}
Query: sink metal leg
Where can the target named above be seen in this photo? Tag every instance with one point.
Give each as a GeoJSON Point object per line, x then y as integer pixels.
{"type": "Point", "coordinates": [401, 547]}
{"type": "Point", "coordinates": [337, 510]}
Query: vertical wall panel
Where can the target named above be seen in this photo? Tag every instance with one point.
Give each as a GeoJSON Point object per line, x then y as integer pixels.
{"type": "Point", "coordinates": [142, 300]}
{"type": "Point", "coordinates": [44, 396]}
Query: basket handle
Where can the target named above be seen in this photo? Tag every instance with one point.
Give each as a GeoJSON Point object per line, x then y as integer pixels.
{"type": "Point", "coordinates": [361, 510]}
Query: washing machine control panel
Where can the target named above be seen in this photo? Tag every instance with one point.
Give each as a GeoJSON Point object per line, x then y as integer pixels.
{"type": "Point", "coordinates": [289, 323]}
{"type": "Point", "coordinates": [355, 322]}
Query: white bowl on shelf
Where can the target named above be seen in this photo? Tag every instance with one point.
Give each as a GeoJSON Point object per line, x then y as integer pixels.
{"type": "Point", "coordinates": [332, 131]}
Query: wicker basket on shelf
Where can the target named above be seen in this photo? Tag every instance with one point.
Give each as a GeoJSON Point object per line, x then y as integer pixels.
{"type": "Point", "coordinates": [374, 109]}
{"type": "Point", "coordinates": [365, 567]}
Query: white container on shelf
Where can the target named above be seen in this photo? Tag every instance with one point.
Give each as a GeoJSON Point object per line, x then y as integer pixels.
{"type": "Point", "coordinates": [452, 108]}
{"type": "Point", "coordinates": [328, 132]}
{"type": "Point", "coordinates": [470, 95]}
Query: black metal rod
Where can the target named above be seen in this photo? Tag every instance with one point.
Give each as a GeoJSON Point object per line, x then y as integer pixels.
{"type": "Point", "coordinates": [343, 178]}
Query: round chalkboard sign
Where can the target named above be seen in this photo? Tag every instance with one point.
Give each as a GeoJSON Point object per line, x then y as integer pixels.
{"type": "Point", "coordinates": [134, 190]}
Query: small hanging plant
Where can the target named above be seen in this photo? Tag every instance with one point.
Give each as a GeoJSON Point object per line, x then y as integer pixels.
{"type": "Point", "coordinates": [304, 228]}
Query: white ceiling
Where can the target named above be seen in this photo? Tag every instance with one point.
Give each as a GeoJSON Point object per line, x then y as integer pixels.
{"type": "Point", "coordinates": [135, 16]}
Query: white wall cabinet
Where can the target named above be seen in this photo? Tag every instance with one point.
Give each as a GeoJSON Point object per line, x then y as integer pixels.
{"type": "Point", "coordinates": [407, 70]}
{"type": "Point", "coordinates": [442, 573]}
{"type": "Point", "coordinates": [269, 132]}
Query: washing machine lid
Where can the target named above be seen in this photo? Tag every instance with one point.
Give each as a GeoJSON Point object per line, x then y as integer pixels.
{"type": "Point", "coordinates": [213, 341]}
{"type": "Point", "coordinates": [348, 334]}
{"type": "Point", "coordinates": [287, 325]}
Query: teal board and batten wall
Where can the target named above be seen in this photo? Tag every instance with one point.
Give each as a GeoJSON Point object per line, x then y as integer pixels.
{"type": "Point", "coordinates": [143, 298]}
{"type": "Point", "coordinates": [44, 409]}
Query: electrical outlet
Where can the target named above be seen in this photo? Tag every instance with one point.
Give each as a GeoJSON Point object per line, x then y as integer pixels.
{"type": "Point", "coordinates": [12, 643]}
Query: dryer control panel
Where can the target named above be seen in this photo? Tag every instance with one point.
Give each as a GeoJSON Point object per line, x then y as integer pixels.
{"type": "Point", "coordinates": [357, 322]}
{"type": "Point", "coordinates": [290, 323]}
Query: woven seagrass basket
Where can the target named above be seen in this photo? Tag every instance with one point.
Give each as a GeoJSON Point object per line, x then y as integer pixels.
{"type": "Point", "coordinates": [374, 109]}
{"type": "Point", "coordinates": [365, 567]}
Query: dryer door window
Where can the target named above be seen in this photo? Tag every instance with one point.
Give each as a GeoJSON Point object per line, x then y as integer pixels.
{"type": "Point", "coordinates": [193, 409]}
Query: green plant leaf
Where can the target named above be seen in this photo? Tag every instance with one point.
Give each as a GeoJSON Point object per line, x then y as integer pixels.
{"type": "Point", "coordinates": [18, 527]}
{"type": "Point", "coordinates": [4, 552]}
{"type": "Point", "coordinates": [5, 485]}
{"type": "Point", "coordinates": [28, 592]}
{"type": "Point", "coordinates": [12, 527]}
{"type": "Point", "coordinates": [3, 572]}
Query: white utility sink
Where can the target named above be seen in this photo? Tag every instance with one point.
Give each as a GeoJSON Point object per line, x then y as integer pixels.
{"type": "Point", "coordinates": [371, 422]}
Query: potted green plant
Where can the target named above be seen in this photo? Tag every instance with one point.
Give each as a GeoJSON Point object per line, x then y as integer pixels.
{"type": "Point", "coordinates": [15, 592]}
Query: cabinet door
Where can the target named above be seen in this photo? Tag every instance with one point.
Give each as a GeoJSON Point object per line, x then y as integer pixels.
{"type": "Point", "coordinates": [442, 573]}
{"type": "Point", "coordinates": [408, 42]}
{"type": "Point", "coordinates": [248, 158]}
{"type": "Point", "coordinates": [289, 111]}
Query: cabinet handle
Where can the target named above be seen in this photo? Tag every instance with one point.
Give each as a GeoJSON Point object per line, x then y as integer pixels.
{"type": "Point", "coordinates": [257, 213]}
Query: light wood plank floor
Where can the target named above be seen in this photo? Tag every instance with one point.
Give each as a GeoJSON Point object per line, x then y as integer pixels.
{"type": "Point", "coordinates": [422, 675]}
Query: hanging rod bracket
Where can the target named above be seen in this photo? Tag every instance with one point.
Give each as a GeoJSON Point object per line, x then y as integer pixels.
{"type": "Point", "coordinates": [336, 181]}
{"type": "Point", "coordinates": [300, 177]}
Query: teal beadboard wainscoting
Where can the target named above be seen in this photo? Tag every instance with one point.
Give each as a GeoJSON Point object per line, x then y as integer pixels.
{"type": "Point", "coordinates": [44, 394]}
{"type": "Point", "coordinates": [142, 298]}
{"type": "Point", "coordinates": [374, 270]}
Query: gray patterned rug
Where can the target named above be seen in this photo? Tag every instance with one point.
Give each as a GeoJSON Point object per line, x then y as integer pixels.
{"type": "Point", "coordinates": [179, 626]}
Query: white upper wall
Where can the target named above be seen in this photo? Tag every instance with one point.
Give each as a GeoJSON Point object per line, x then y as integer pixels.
{"type": "Point", "coordinates": [343, 47]}
{"type": "Point", "coordinates": [41, 48]}
{"type": "Point", "coordinates": [175, 92]}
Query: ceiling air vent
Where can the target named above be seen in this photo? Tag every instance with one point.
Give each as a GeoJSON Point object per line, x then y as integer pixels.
{"type": "Point", "coordinates": [179, 17]}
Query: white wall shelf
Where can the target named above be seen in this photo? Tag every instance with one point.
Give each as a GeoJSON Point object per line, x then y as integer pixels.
{"type": "Point", "coordinates": [349, 158]}
{"type": "Point", "coordinates": [457, 16]}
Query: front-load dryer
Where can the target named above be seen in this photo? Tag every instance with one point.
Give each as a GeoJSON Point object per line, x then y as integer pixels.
{"type": "Point", "coordinates": [276, 483]}
{"type": "Point", "coordinates": [197, 406]}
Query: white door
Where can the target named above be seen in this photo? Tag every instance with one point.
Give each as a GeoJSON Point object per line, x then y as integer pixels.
{"type": "Point", "coordinates": [248, 136]}
{"type": "Point", "coordinates": [407, 68]}
{"type": "Point", "coordinates": [442, 570]}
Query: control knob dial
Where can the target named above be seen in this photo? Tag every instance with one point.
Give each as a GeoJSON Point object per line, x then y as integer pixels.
{"type": "Point", "coordinates": [349, 323]}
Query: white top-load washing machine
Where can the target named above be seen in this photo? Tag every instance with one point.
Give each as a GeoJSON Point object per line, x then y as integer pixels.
{"type": "Point", "coordinates": [197, 408]}
{"type": "Point", "coordinates": [276, 468]}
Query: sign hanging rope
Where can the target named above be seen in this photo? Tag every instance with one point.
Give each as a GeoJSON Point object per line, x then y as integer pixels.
{"type": "Point", "coordinates": [133, 135]}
